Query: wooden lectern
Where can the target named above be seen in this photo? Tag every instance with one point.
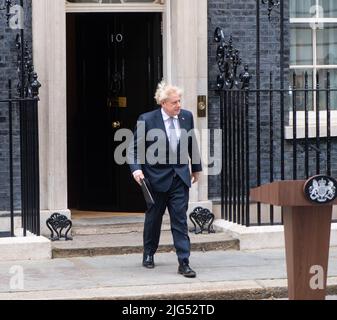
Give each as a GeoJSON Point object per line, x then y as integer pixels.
{"type": "Point", "coordinates": [307, 236]}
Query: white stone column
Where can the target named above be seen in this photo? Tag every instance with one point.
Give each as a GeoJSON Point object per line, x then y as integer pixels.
{"type": "Point", "coordinates": [189, 66]}
{"type": "Point", "coordinates": [49, 54]}
{"type": "Point", "coordinates": [202, 89]}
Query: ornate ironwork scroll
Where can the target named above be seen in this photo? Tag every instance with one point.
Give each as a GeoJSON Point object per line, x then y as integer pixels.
{"type": "Point", "coordinates": [202, 220]}
{"type": "Point", "coordinates": [228, 60]}
{"type": "Point", "coordinates": [271, 5]}
{"type": "Point", "coordinates": [56, 224]}
{"type": "Point", "coordinates": [28, 84]}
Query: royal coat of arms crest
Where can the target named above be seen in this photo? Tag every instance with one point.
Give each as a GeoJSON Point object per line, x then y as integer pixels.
{"type": "Point", "coordinates": [321, 189]}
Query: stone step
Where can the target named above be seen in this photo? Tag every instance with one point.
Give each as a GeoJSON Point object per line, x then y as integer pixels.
{"type": "Point", "coordinates": [112, 225]}
{"type": "Point", "coordinates": [132, 242]}
{"type": "Point", "coordinates": [111, 229]}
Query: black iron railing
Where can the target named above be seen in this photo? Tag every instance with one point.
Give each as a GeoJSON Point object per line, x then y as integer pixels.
{"type": "Point", "coordinates": [273, 134]}
{"type": "Point", "coordinates": [20, 133]}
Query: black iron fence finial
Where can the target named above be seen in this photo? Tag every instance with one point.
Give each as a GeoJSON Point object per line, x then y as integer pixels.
{"type": "Point", "coordinates": [219, 35]}
{"type": "Point", "coordinates": [228, 60]}
{"type": "Point", "coordinates": [245, 77]}
{"type": "Point", "coordinates": [35, 86]}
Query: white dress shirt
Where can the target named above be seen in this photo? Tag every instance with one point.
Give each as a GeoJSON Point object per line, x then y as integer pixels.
{"type": "Point", "coordinates": [166, 119]}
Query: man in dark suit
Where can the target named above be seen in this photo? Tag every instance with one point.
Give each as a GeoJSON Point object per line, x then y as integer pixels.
{"type": "Point", "coordinates": [166, 143]}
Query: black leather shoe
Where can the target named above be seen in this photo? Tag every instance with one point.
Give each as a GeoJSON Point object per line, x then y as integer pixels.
{"type": "Point", "coordinates": [148, 262]}
{"type": "Point", "coordinates": [186, 271]}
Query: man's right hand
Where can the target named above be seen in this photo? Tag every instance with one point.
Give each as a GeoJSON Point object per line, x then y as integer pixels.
{"type": "Point", "coordinates": [138, 176]}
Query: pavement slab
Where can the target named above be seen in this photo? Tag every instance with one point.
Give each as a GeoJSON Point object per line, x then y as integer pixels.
{"type": "Point", "coordinates": [227, 274]}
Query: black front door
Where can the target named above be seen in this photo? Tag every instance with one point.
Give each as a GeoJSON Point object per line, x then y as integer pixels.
{"type": "Point", "coordinates": [114, 65]}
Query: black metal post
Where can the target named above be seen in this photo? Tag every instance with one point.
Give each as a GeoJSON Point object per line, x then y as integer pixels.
{"type": "Point", "coordinates": [11, 175]}
{"type": "Point", "coordinates": [318, 152]}
{"type": "Point", "coordinates": [328, 126]}
{"type": "Point", "coordinates": [306, 125]}
{"type": "Point", "coordinates": [223, 162]}
{"type": "Point", "coordinates": [30, 163]}
{"type": "Point", "coordinates": [271, 140]}
{"type": "Point", "coordinates": [22, 48]}
{"type": "Point", "coordinates": [23, 166]}
{"type": "Point", "coordinates": [294, 109]}
{"type": "Point", "coordinates": [238, 157]}
{"type": "Point", "coordinates": [282, 86]}
{"type": "Point", "coordinates": [234, 118]}
{"type": "Point", "coordinates": [230, 158]}
{"type": "Point", "coordinates": [36, 168]}
{"type": "Point", "coordinates": [225, 153]}
{"type": "Point", "coordinates": [247, 155]}
{"type": "Point", "coordinates": [258, 111]}
{"type": "Point", "coordinates": [245, 152]}
{"type": "Point", "coordinates": [242, 151]}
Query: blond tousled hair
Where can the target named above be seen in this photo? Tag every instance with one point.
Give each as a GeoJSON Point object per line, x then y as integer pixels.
{"type": "Point", "coordinates": [165, 90]}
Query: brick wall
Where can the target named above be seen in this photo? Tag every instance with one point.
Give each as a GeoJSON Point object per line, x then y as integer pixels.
{"type": "Point", "coordinates": [238, 18]}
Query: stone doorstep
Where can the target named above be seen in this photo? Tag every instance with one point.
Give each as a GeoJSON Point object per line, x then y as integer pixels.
{"type": "Point", "coordinates": [261, 237]}
{"type": "Point", "coordinates": [130, 243]}
{"type": "Point", "coordinates": [89, 226]}
{"type": "Point", "coordinates": [107, 251]}
{"type": "Point", "coordinates": [78, 230]}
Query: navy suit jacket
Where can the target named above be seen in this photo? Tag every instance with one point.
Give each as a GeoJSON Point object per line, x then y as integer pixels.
{"type": "Point", "coordinates": [161, 172]}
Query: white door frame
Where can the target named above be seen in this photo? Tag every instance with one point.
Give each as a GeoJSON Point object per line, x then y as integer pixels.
{"type": "Point", "coordinates": [135, 7]}
{"type": "Point", "coordinates": [113, 7]}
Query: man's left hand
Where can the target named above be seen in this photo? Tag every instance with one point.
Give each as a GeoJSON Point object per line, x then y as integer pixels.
{"type": "Point", "coordinates": [195, 177]}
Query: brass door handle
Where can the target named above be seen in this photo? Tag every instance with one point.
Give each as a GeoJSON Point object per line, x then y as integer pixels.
{"type": "Point", "coordinates": [116, 125]}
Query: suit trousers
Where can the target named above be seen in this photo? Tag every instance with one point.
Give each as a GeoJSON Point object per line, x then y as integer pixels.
{"type": "Point", "coordinates": [176, 201]}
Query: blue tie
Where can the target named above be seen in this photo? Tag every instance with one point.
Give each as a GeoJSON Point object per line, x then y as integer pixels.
{"type": "Point", "coordinates": [173, 135]}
